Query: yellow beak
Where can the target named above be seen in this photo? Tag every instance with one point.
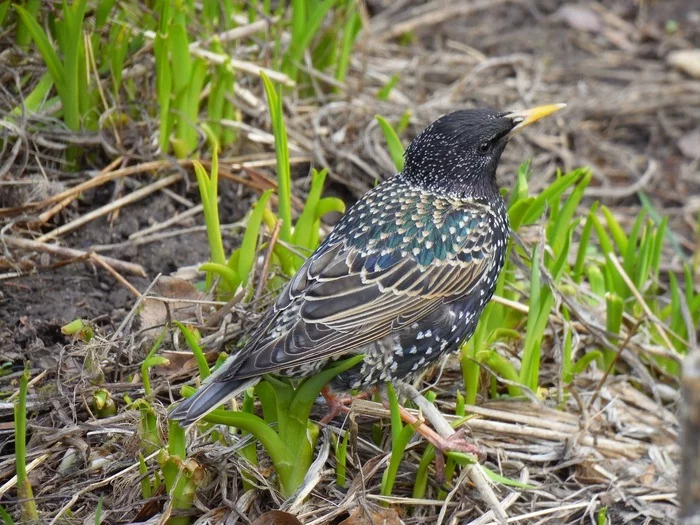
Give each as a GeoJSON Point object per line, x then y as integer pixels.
{"type": "Point", "coordinates": [526, 117]}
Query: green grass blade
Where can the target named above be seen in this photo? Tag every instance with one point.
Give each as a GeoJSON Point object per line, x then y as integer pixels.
{"type": "Point", "coordinates": [74, 63]}
{"type": "Point", "coordinates": [596, 280]}
{"type": "Point", "coordinates": [23, 35]}
{"type": "Point", "coordinates": [400, 436]}
{"type": "Point", "coordinates": [657, 250]}
{"type": "Point", "coordinates": [193, 344]}
{"type": "Point", "coordinates": [558, 229]}
{"type": "Point", "coordinates": [305, 26]}
{"type": "Point", "coordinates": [631, 253]}
{"type": "Point", "coordinates": [309, 390]}
{"type": "Point", "coordinates": [117, 56]}
{"type": "Point", "coordinates": [33, 101]}
{"type": "Point", "coordinates": [567, 349]}
{"type": "Point", "coordinates": [146, 488]}
{"type": "Point", "coordinates": [352, 28]}
{"type": "Point", "coordinates": [520, 190]}
{"type": "Point", "coordinates": [250, 238]}
{"type": "Point", "coordinates": [4, 9]}
{"type": "Point", "coordinates": [551, 193]}
{"type": "Point", "coordinates": [420, 485]}
{"type": "Point", "coordinates": [561, 262]}
{"type": "Point", "coordinates": [208, 191]}
{"type": "Point", "coordinates": [583, 363]}
{"type": "Point", "coordinates": [25, 495]}
{"type": "Point", "coordinates": [275, 447]}
{"type": "Point", "coordinates": [616, 231]}
{"type": "Point", "coordinates": [504, 369]}
{"type": "Point", "coordinates": [497, 478]}
{"type": "Point", "coordinates": [98, 511]}
{"type": "Point", "coordinates": [341, 454]}
{"type": "Point", "coordinates": [328, 205]}
{"type": "Point", "coordinates": [541, 302]}
{"type": "Point", "coordinates": [181, 59]}
{"type": "Point", "coordinates": [584, 242]}
{"type": "Point", "coordinates": [303, 230]}
{"type": "Point", "coordinates": [164, 76]}
{"type": "Point", "coordinates": [385, 90]}
{"type": "Point", "coordinates": [230, 276]}
{"type": "Point", "coordinates": [284, 176]}
{"type": "Point", "coordinates": [396, 149]}
{"type": "Point", "coordinates": [102, 12]}
{"type": "Point", "coordinates": [46, 48]}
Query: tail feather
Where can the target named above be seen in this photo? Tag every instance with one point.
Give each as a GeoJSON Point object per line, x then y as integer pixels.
{"type": "Point", "coordinates": [207, 398]}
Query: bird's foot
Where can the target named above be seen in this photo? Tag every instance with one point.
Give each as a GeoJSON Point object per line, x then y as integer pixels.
{"type": "Point", "coordinates": [456, 442]}
{"type": "Point", "coordinates": [338, 403]}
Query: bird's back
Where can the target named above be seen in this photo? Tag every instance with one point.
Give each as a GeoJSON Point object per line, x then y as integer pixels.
{"type": "Point", "coordinates": [405, 275]}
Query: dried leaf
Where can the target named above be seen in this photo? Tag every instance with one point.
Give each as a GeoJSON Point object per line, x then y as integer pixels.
{"type": "Point", "coordinates": [276, 517]}
{"type": "Point", "coordinates": [154, 313]}
{"type": "Point", "coordinates": [372, 515]}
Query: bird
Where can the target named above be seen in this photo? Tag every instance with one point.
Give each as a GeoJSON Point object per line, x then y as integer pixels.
{"type": "Point", "coordinates": [402, 278]}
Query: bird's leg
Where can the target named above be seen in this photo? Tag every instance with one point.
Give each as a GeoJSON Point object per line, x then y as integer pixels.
{"type": "Point", "coordinates": [456, 442]}
{"type": "Point", "coordinates": [338, 403]}
{"type": "Point", "coordinates": [446, 439]}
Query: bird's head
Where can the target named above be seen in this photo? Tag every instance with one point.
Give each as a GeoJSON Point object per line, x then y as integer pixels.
{"type": "Point", "coordinates": [459, 152]}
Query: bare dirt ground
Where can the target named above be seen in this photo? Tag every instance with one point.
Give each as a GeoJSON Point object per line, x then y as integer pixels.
{"type": "Point", "coordinates": [633, 118]}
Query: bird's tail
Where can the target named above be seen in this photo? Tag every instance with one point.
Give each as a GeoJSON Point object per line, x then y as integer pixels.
{"type": "Point", "coordinates": [207, 398]}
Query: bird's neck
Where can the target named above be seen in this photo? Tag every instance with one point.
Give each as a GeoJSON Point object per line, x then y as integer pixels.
{"type": "Point", "coordinates": [457, 186]}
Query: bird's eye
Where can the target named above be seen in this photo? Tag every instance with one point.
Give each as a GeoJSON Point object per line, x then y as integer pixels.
{"type": "Point", "coordinates": [484, 147]}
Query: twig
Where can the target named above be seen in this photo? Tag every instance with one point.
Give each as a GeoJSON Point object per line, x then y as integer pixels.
{"type": "Point", "coordinates": [134, 309]}
{"type": "Point", "coordinates": [92, 183]}
{"type": "Point", "coordinates": [96, 485]}
{"type": "Point", "coordinates": [194, 210]}
{"type": "Point", "coordinates": [659, 325]}
{"type": "Point", "coordinates": [238, 33]}
{"type": "Point", "coordinates": [608, 370]}
{"type": "Point", "coordinates": [69, 253]}
{"type": "Point", "coordinates": [48, 214]}
{"type": "Point", "coordinates": [434, 13]}
{"type": "Point", "coordinates": [13, 480]}
{"type": "Point", "coordinates": [100, 260]}
{"type": "Point", "coordinates": [689, 484]}
{"type": "Point", "coordinates": [30, 384]}
{"type": "Point", "coordinates": [523, 308]}
{"type": "Point", "coordinates": [115, 204]}
{"type": "Point", "coordinates": [627, 190]}
{"type": "Point", "coordinates": [266, 261]}
{"type": "Point", "coordinates": [242, 65]}
{"type": "Point", "coordinates": [610, 447]}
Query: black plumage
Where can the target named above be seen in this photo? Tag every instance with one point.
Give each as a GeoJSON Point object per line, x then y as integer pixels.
{"type": "Point", "coordinates": [402, 278]}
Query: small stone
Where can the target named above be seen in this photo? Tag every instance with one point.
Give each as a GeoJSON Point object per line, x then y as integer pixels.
{"type": "Point", "coordinates": [689, 144]}
{"type": "Point", "coordinates": [686, 60]}
{"type": "Point", "coordinates": [579, 17]}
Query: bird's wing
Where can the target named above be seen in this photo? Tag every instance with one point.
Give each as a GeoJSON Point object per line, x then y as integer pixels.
{"type": "Point", "coordinates": [348, 294]}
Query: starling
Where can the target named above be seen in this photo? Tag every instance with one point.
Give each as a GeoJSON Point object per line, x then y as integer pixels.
{"type": "Point", "coordinates": [402, 278]}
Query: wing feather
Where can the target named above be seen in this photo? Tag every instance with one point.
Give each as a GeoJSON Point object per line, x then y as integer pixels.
{"type": "Point", "coordinates": [348, 295]}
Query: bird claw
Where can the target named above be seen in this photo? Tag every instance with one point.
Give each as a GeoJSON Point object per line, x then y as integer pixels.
{"type": "Point", "coordinates": [338, 404]}
{"type": "Point", "coordinates": [457, 442]}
